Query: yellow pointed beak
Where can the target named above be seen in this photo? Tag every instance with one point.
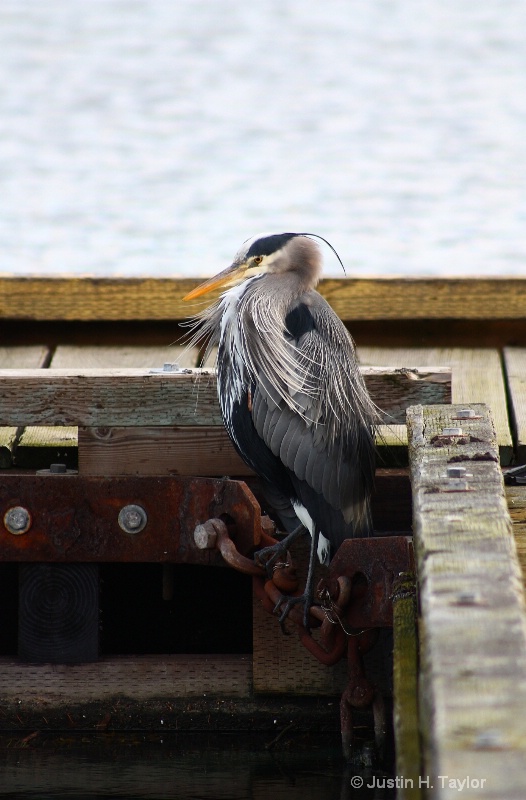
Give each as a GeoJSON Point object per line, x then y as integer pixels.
{"type": "Point", "coordinates": [228, 277]}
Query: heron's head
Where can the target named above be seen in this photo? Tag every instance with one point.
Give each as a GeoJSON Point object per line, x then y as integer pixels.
{"type": "Point", "coordinates": [273, 253]}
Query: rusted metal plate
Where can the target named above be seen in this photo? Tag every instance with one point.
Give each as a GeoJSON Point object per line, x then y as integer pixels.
{"type": "Point", "coordinates": [372, 565]}
{"type": "Point", "coordinates": [73, 518]}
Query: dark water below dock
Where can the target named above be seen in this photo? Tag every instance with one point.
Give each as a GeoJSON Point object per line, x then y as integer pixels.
{"type": "Point", "coordinates": [180, 767]}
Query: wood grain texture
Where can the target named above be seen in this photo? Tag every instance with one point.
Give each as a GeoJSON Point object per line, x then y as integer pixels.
{"type": "Point", "coordinates": [473, 620]}
{"type": "Point", "coordinates": [128, 397]}
{"type": "Point", "coordinates": [477, 377]}
{"type": "Point", "coordinates": [358, 299]}
{"type": "Point", "coordinates": [515, 366]}
{"type": "Point", "coordinates": [38, 447]}
{"type": "Point", "coordinates": [516, 497]}
{"type": "Point", "coordinates": [138, 677]}
{"type": "Point", "coordinates": [405, 691]}
{"type": "Point", "coordinates": [17, 358]}
{"type": "Point", "coordinates": [205, 451]}
{"type": "Point", "coordinates": [200, 450]}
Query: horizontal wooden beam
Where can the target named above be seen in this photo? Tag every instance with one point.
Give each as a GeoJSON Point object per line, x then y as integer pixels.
{"type": "Point", "coordinates": [353, 299]}
{"type": "Point", "coordinates": [142, 677]}
{"type": "Point", "coordinates": [146, 450]}
{"type": "Point", "coordinates": [134, 397]}
{"type": "Point", "coordinates": [473, 620]}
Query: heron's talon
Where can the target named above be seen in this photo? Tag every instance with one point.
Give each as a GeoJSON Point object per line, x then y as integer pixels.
{"type": "Point", "coordinates": [268, 557]}
{"type": "Point", "coordinates": [287, 603]}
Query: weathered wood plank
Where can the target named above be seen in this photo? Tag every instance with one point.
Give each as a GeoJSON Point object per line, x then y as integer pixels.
{"type": "Point", "coordinates": [405, 690]}
{"type": "Point", "coordinates": [477, 377]}
{"type": "Point", "coordinates": [129, 676]}
{"type": "Point", "coordinates": [515, 366]}
{"type": "Point", "coordinates": [516, 498]}
{"type": "Point", "coordinates": [127, 397]}
{"type": "Point", "coordinates": [473, 620]}
{"type": "Point", "coordinates": [201, 451]}
{"type": "Point", "coordinates": [352, 299]}
{"type": "Point", "coordinates": [122, 357]}
{"type": "Point", "coordinates": [17, 358]}
{"type": "Point", "coordinates": [519, 532]}
{"type": "Point", "coordinates": [41, 446]}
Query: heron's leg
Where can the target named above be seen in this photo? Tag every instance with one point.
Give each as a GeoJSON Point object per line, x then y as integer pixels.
{"type": "Point", "coordinates": [268, 556]}
{"type": "Point", "coordinates": [286, 603]}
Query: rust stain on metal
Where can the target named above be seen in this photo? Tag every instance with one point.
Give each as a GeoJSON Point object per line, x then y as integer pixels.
{"type": "Point", "coordinates": [372, 565]}
{"type": "Point", "coordinates": [75, 518]}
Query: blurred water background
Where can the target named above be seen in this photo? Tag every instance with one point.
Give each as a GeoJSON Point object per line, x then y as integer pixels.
{"type": "Point", "coordinates": [152, 137]}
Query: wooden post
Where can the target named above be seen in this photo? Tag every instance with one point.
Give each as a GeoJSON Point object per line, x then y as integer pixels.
{"type": "Point", "coordinates": [473, 620]}
{"type": "Point", "coordinates": [405, 690]}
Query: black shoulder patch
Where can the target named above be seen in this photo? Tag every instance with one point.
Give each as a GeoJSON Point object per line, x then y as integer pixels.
{"type": "Point", "coordinates": [269, 244]}
{"type": "Point", "coordinates": [299, 321]}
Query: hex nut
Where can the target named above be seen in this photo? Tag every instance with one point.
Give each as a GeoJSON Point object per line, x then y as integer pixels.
{"type": "Point", "coordinates": [205, 536]}
{"type": "Point", "coordinates": [132, 519]}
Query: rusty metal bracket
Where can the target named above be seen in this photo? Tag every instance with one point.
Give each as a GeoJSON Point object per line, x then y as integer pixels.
{"type": "Point", "coordinates": [372, 565]}
{"type": "Point", "coordinates": [63, 518]}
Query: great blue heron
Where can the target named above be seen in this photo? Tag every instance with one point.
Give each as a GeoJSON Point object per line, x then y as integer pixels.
{"type": "Point", "coordinates": [292, 397]}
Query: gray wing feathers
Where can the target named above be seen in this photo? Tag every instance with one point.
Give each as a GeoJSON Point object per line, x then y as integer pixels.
{"type": "Point", "coordinates": [301, 457]}
{"type": "Point", "coordinates": [323, 441]}
{"type": "Point", "coordinates": [281, 427]}
{"type": "Point", "coordinates": [292, 441]}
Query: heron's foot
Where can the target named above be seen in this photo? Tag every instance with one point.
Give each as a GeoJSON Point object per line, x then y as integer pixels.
{"type": "Point", "coordinates": [277, 554]}
{"type": "Point", "coordinates": [286, 603]}
{"type": "Point", "coordinates": [273, 557]}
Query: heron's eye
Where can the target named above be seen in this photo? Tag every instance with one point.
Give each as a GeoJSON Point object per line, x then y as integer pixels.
{"type": "Point", "coordinates": [258, 259]}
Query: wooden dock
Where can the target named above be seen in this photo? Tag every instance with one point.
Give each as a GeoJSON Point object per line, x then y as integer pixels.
{"type": "Point", "coordinates": [82, 383]}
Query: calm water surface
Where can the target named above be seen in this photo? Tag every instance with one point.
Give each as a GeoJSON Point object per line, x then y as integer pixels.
{"type": "Point", "coordinates": [171, 770]}
{"type": "Point", "coordinates": [151, 137]}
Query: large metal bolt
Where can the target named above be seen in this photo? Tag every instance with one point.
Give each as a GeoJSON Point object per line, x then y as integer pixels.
{"type": "Point", "coordinates": [132, 519]}
{"type": "Point", "coordinates": [456, 472]}
{"type": "Point", "coordinates": [168, 366]}
{"type": "Point", "coordinates": [491, 739]}
{"type": "Point", "coordinates": [466, 413]}
{"type": "Point", "coordinates": [58, 469]}
{"type": "Point", "coordinates": [17, 520]}
{"type": "Point", "coordinates": [467, 598]}
{"type": "Point", "coordinates": [205, 535]}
